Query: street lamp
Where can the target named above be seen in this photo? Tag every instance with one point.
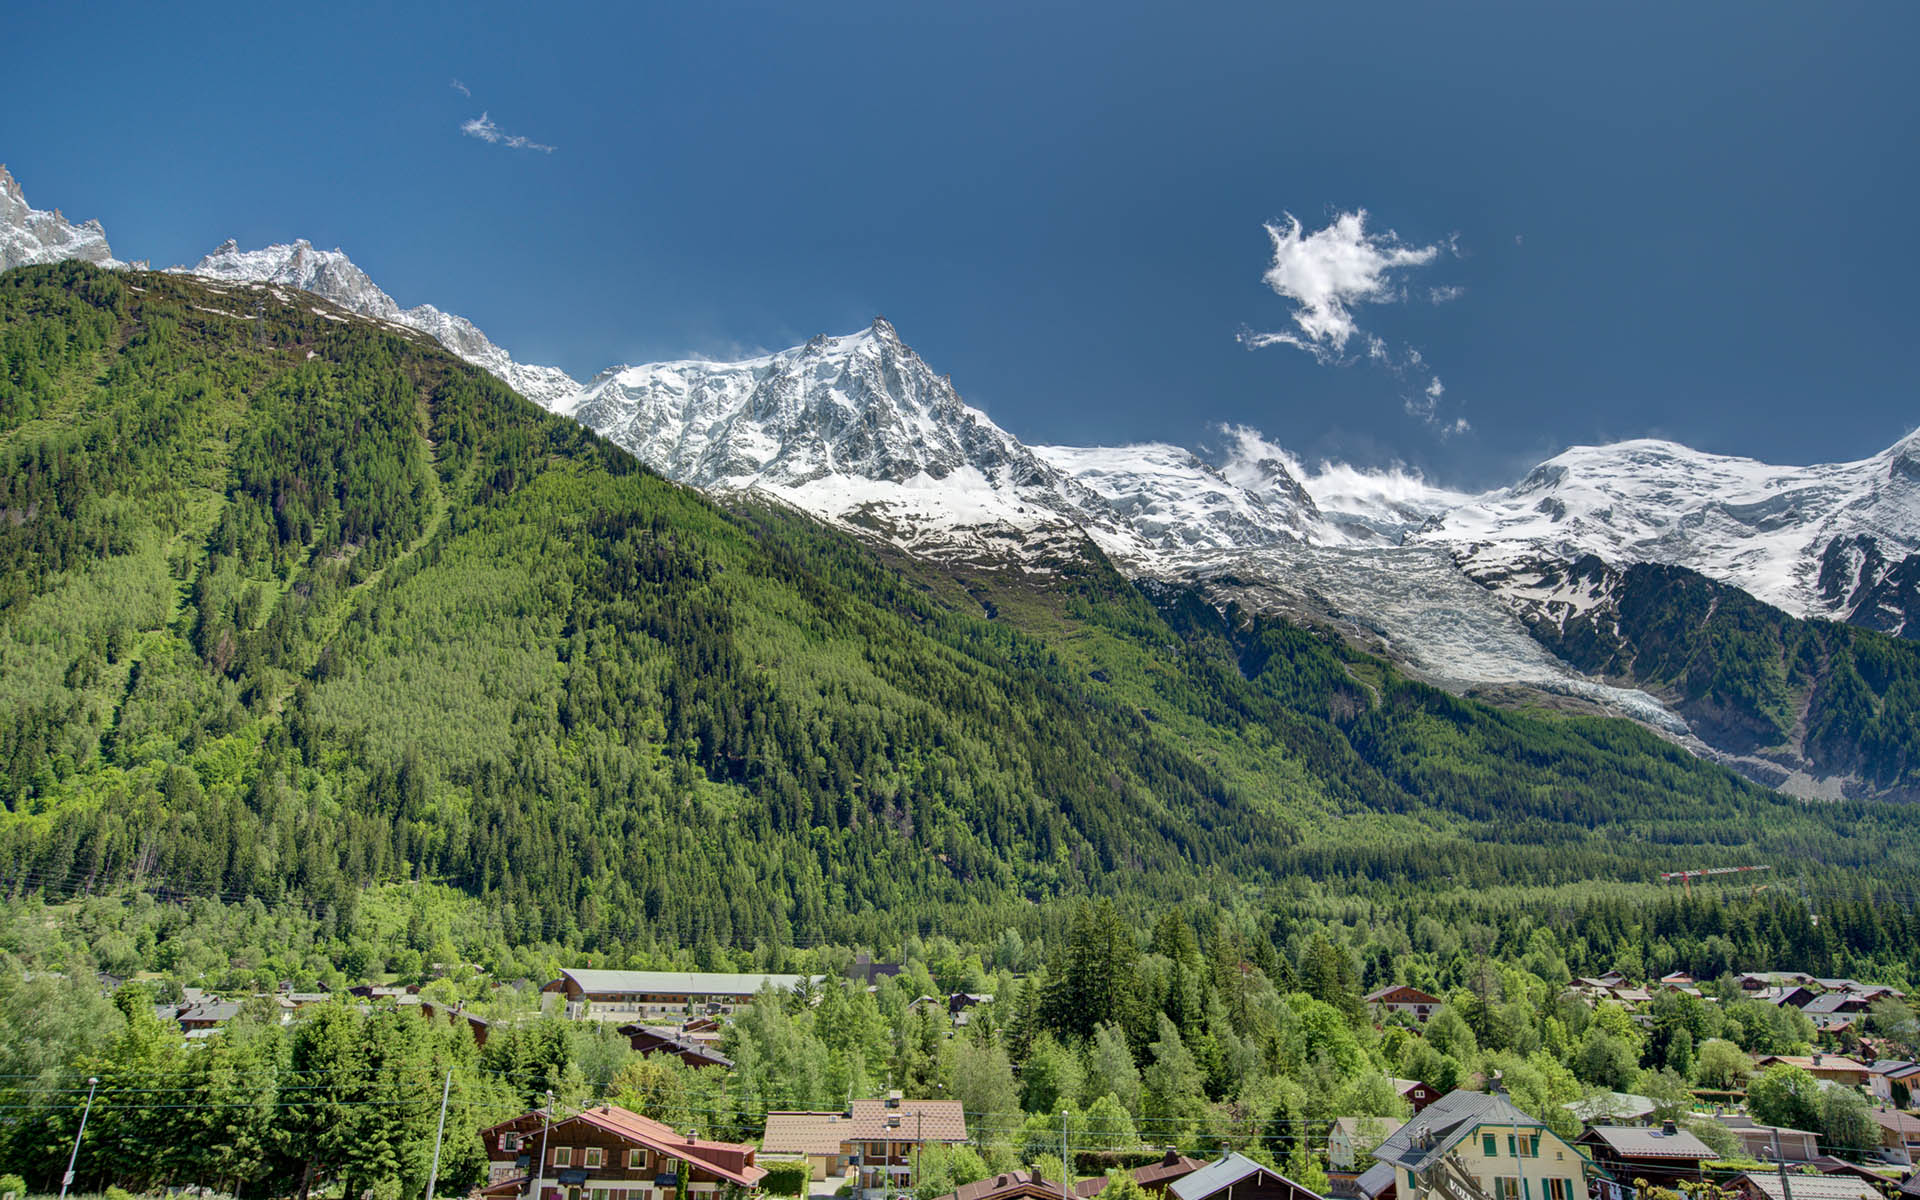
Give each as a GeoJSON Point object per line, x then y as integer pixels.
{"type": "Point", "coordinates": [66, 1180]}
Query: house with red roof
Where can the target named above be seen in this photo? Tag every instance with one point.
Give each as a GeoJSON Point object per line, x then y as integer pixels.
{"type": "Point", "coordinates": [608, 1153]}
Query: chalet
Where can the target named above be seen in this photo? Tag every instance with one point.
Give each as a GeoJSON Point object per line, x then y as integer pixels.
{"type": "Point", "coordinates": [1888, 1072]}
{"type": "Point", "coordinates": [814, 1136]}
{"type": "Point", "coordinates": [1759, 981]}
{"type": "Point", "coordinates": [1353, 1138]}
{"type": "Point", "coordinates": [1828, 1068]}
{"type": "Point", "coordinates": [1790, 995]}
{"type": "Point", "coordinates": [1468, 1141]}
{"type": "Point", "coordinates": [1157, 1176]}
{"type": "Point", "coordinates": [608, 1153]}
{"type": "Point", "coordinates": [648, 1040]}
{"type": "Point", "coordinates": [1663, 1157]}
{"type": "Point", "coordinates": [1767, 1185]}
{"type": "Point", "coordinates": [1834, 1003]}
{"type": "Point", "coordinates": [207, 1015]}
{"type": "Point", "coordinates": [640, 995]}
{"type": "Point", "coordinates": [453, 1014]}
{"type": "Point", "coordinates": [1237, 1177]}
{"type": "Point", "coordinates": [1402, 999]}
{"type": "Point", "coordinates": [1677, 979]}
{"type": "Point", "coordinates": [1899, 1135]}
{"type": "Point", "coordinates": [1758, 1141]}
{"type": "Point", "coordinates": [1415, 1093]}
{"type": "Point", "coordinates": [1910, 1186]}
{"type": "Point", "coordinates": [1022, 1185]}
{"type": "Point", "coordinates": [881, 1136]}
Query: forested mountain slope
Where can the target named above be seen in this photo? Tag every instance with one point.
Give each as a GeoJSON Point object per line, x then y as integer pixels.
{"type": "Point", "coordinates": [1834, 706]}
{"type": "Point", "coordinates": [292, 602]}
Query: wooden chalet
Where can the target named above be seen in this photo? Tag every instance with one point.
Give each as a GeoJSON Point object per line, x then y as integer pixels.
{"type": "Point", "coordinates": [648, 1040]}
{"type": "Point", "coordinates": [1663, 1157]}
{"type": "Point", "coordinates": [1237, 1177]}
{"type": "Point", "coordinates": [608, 1153]}
{"type": "Point", "coordinates": [1399, 998]}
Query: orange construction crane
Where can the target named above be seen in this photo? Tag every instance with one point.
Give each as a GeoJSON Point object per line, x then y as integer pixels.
{"type": "Point", "coordinates": [1686, 878]}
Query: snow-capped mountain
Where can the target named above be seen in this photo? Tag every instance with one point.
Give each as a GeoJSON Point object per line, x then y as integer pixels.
{"type": "Point", "coordinates": [857, 430]}
{"type": "Point", "coordinates": [862, 433]}
{"type": "Point", "coordinates": [331, 274]}
{"type": "Point", "coordinates": [1815, 541]}
{"type": "Point", "coordinates": [29, 235]}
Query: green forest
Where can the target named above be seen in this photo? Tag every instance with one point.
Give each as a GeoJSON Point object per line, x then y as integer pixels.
{"type": "Point", "coordinates": [1849, 698]}
{"type": "Point", "coordinates": [295, 608]}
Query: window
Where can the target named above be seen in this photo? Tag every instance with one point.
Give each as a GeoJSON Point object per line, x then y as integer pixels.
{"type": "Point", "coordinates": [636, 1160]}
{"type": "Point", "coordinates": [602, 1194]}
{"type": "Point", "coordinates": [593, 1160]}
{"type": "Point", "coordinates": [1559, 1189]}
{"type": "Point", "coordinates": [510, 1142]}
{"type": "Point", "coordinates": [1488, 1146]}
{"type": "Point", "coordinates": [1505, 1188]}
{"type": "Point", "coordinates": [563, 1156]}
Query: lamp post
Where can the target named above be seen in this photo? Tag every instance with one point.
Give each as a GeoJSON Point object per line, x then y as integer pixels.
{"type": "Point", "coordinates": [66, 1180]}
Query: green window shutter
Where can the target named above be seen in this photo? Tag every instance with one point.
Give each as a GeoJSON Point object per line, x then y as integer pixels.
{"type": "Point", "coordinates": [1488, 1145]}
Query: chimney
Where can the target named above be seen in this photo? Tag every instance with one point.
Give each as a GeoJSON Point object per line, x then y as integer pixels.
{"type": "Point", "coordinates": [893, 1099]}
{"type": "Point", "coordinates": [1816, 1058]}
{"type": "Point", "coordinates": [1668, 1129]}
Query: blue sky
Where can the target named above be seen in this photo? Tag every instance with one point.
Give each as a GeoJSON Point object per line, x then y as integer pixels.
{"type": "Point", "coordinates": [1691, 221]}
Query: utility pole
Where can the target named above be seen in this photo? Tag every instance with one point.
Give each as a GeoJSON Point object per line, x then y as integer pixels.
{"type": "Point", "coordinates": [66, 1180]}
{"type": "Point", "coordinates": [439, 1135]}
{"type": "Point", "coordinates": [1066, 1160]}
{"type": "Point", "coordinates": [540, 1167]}
{"type": "Point", "coordinates": [1780, 1160]}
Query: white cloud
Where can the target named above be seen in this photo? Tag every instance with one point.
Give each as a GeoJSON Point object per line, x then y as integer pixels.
{"type": "Point", "coordinates": [1326, 272]}
{"type": "Point", "coordinates": [1426, 406]}
{"type": "Point", "coordinates": [462, 88]}
{"type": "Point", "coordinates": [482, 127]}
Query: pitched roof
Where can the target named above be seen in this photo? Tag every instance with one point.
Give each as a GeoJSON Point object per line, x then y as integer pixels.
{"type": "Point", "coordinates": [1445, 1123]}
{"type": "Point", "coordinates": [1401, 993]}
{"type": "Point", "coordinates": [689, 983]}
{"type": "Point", "coordinates": [804, 1133]}
{"type": "Point", "coordinates": [1893, 1121]}
{"type": "Point", "coordinates": [917, 1121]}
{"type": "Point", "coordinates": [1009, 1185]}
{"type": "Point", "coordinates": [667, 1038]}
{"type": "Point", "coordinates": [1172, 1167]}
{"type": "Point", "coordinates": [1222, 1173]}
{"type": "Point", "coordinates": [1374, 1180]}
{"type": "Point", "coordinates": [1633, 1141]}
{"type": "Point", "coordinates": [1817, 1062]}
{"type": "Point", "coordinates": [1352, 1126]}
{"type": "Point", "coordinates": [1832, 1002]}
{"type": "Point", "coordinates": [1811, 1187]}
{"type": "Point", "coordinates": [725, 1159]}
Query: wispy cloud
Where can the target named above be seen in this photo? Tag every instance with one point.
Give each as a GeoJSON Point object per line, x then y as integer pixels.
{"type": "Point", "coordinates": [482, 127]}
{"type": "Point", "coordinates": [462, 88]}
{"type": "Point", "coordinates": [1326, 274]}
